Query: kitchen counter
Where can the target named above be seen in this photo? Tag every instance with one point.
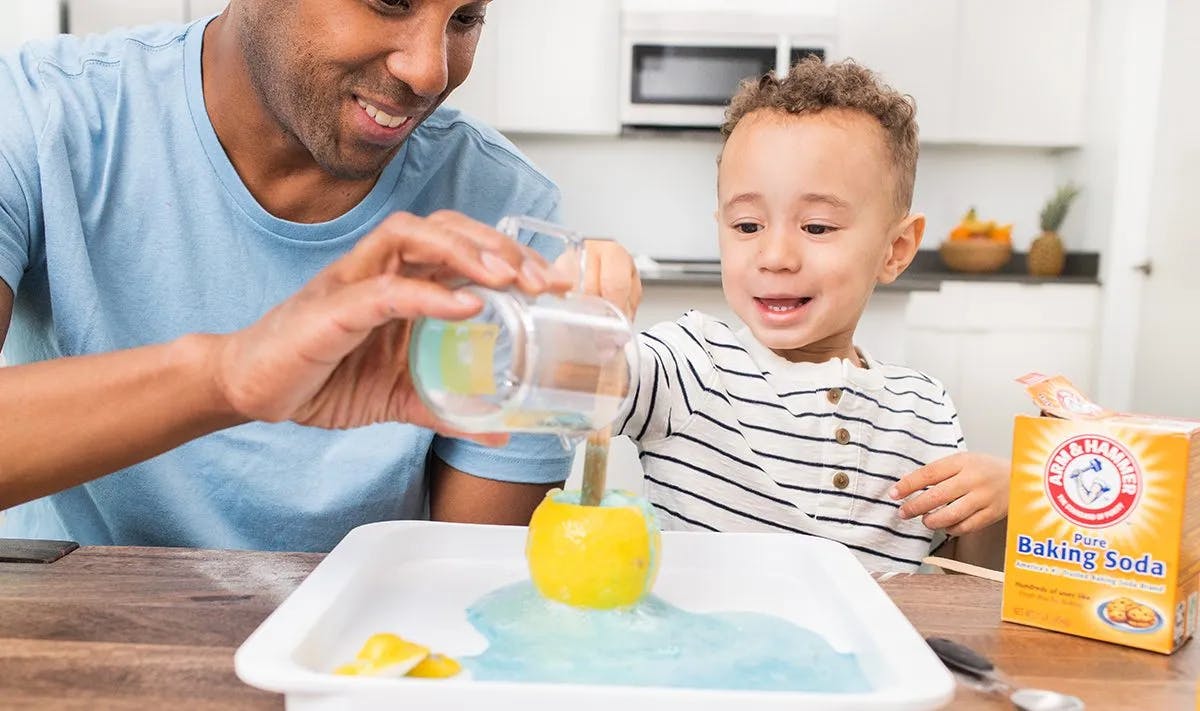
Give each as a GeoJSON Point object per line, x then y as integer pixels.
{"type": "Point", "coordinates": [157, 628]}
{"type": "Point", "coordinates": [926, 273]}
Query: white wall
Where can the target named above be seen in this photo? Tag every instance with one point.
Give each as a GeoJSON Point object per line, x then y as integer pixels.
{"type": "Point", "coordinates": [655, 194]}
{"type": "Point", "coordinates": [1166, 379]}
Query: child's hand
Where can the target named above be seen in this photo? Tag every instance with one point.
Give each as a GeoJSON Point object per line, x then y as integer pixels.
{"type": "Point", "coordinates": [609, 273]}
{"type": "Point", "coordinates": [971, 490]}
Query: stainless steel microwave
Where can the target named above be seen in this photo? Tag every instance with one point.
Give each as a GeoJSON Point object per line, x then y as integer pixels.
{"type": "Point", "coordinates": [681, 62]}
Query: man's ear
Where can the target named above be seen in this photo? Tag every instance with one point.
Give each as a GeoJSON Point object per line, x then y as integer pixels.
{"type": "Point", "coordinates": [905, 240]}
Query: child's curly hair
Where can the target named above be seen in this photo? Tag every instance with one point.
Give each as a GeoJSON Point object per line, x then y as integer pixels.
{"type": "Point", "coordinates": [812, 87]}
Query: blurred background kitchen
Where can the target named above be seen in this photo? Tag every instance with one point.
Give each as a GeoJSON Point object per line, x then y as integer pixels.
{"type": "Point", "coordinates": [618, 101]}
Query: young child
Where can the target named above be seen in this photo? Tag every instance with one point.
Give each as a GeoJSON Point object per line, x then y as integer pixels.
{"type": "Point", "coordinates": [786, 425]}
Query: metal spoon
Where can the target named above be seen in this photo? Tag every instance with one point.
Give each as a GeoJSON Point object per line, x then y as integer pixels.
{"type": "Point", "coordinates": [967, 661]}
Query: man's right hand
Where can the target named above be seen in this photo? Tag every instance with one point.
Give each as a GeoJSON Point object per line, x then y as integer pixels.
{"type": "Point", "coordinates": [335, 354]}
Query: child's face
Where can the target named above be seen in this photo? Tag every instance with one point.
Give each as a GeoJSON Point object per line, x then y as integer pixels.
{"type": "Point", "coordinates": [808, 225]}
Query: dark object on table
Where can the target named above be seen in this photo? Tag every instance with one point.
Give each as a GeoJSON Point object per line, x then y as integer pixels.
{"type": "Point", "coordinates": [30, 550]}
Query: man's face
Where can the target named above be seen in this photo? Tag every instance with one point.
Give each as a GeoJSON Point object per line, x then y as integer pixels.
{"type": "Point", "coordinates": [351, 79]}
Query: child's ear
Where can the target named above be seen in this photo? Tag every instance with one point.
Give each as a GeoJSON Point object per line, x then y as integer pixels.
{"type": "Point", "coordinates": [906, 239]}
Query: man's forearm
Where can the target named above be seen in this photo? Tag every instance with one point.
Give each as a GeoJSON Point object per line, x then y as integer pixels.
{"type": "Point", "coordinates": [66, 421]}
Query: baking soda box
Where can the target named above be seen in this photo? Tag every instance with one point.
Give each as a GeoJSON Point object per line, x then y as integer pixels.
{"type": "Point", "coordinates": [1103, 521]}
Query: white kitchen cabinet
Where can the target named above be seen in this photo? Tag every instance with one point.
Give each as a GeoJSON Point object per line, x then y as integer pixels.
{"type": "Point", "coordinates": [978, 338]}
{"type": "Point", "coordinates": [94, 16]}
{"type": "Point", "coordinates": [546, 68]}
{"type": "Point", "coordinates": [912, 43]}
{"type": "Point", "coordinates": [985, 72]}
{"type": "Point", "coordinates": [1022, 72]}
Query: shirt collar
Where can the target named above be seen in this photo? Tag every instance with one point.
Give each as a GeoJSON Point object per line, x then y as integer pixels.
{"type": "Point", "coordinates": [833, 372]}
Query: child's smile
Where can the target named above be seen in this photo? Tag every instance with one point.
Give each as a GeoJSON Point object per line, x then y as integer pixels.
{"type": "Point", "coordinates": [781, 311]}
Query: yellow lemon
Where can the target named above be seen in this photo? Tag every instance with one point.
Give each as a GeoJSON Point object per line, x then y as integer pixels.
{"type": "Point", "coordinates": [600, 557]}
{"type": "Point", "coordinates": [436, 666]}
{"type": "Point", "coordinates": [355, 668]}
{"type": "Point", "coordinates": [385, 654]}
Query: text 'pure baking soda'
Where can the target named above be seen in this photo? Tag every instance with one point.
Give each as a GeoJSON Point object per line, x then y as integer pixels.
{"type": "Point", "coordinates": [1103, 522]}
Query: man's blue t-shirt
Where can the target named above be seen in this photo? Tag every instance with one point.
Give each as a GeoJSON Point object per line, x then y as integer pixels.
{"type": "Point", "coordinates": [123, 223]}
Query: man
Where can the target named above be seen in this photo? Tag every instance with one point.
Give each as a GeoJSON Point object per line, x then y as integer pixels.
{"type": "Point", "coordinates": [162, 189]}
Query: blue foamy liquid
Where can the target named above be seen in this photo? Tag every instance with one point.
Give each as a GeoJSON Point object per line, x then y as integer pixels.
{"type": "Point", "coordinates": [611, 497]}
{"type": "Point", "coordinates": [654, 643]}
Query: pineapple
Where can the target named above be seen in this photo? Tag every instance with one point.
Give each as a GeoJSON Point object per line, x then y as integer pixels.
{"type": "Point", "coordinates": [1046, 255]}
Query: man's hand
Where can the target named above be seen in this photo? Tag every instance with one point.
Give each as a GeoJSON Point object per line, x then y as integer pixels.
{"type": "Point", "coordinates": [335, 354]}
{"type": "Point", "coordinates": [969, 492]}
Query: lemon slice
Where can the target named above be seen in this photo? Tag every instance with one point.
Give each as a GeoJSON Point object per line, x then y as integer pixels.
{"type": "Point", "coordinates": [385, 654]}
{"type": "Point", "coordinates": [436, 666]}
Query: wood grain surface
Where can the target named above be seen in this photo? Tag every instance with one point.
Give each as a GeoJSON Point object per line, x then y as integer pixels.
{"type": "Point", "coordinates": [157, 628]}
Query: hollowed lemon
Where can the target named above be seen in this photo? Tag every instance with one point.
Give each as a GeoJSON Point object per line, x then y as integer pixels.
{"type": "Point", "coordinates": [599, 557]}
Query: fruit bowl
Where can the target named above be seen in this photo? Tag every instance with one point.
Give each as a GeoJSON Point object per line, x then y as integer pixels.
{"type": "Point", "coordinates": [975, 256]}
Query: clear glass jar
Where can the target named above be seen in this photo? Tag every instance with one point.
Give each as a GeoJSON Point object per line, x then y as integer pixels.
{"type": "Point", "coordinates": [550, 364]}
{"type": "Point", "coordinates": [556, 364]}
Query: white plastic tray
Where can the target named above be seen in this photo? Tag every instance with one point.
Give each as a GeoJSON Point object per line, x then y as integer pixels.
{"type": "Point", "coordinates": [417, 579]}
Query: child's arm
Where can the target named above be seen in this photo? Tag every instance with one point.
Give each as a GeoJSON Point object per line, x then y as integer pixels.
{"type": "Point", "coordinates": [965, 495]}
{"type": "Point", "coordinates": [651, 408]}
{"type": "Point", "coordinates": [672, 368]}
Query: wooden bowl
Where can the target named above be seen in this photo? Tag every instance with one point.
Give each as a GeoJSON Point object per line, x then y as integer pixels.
{"type": "Point", "coordinates": [975, 256]}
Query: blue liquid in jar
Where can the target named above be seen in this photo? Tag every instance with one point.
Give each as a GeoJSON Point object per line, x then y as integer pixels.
{"type": "Point", "coordinates": [654, 643]}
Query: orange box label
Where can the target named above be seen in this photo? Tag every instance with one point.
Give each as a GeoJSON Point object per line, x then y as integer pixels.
{"type": "Point", "coordinates": [1103, 522]}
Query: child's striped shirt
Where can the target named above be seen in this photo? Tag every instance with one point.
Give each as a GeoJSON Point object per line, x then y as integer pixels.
{"type": "Point", "coordinates": [735, 438]}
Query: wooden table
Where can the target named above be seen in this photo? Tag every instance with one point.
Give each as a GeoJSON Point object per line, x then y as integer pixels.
{"type": "Point", "coordinates": [156, 628]}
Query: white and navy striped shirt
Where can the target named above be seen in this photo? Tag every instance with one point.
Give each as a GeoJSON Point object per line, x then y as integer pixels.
{"type": "Point", "coordinates": [735, 438]}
